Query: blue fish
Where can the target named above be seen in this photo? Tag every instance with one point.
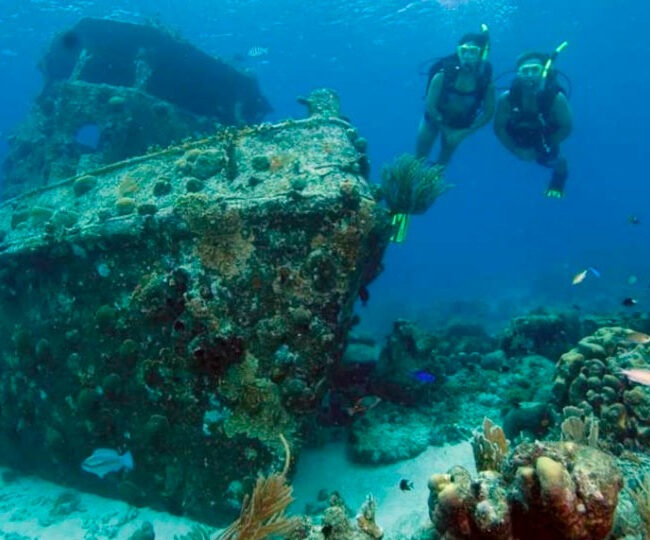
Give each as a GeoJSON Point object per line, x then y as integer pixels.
{"type": "Point", "coordinates": [594, 271]}
{"type": "Point", "coordinates": [106, 460]}
{"type": "Point", "coordinates": [423, 376]}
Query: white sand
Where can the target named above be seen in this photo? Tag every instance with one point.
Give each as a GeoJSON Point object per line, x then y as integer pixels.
{"type": "Point", "coordinates": [25, 505]}
{"type": "Point", "coordinates": [26, 502]}
{"type": "Point", "coordinates": [329, 468]}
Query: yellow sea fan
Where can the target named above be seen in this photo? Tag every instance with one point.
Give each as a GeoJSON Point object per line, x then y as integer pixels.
{"type": "Point", "coordinates": [263, 513]}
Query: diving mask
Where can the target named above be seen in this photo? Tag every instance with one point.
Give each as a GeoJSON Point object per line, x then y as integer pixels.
{"type": "Point", "coordinates": [469, 53]}
{"type": "Point", "coordinates": [530, 71]}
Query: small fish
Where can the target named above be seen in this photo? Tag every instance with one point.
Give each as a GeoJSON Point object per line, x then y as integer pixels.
{"type": "Point", "coordinates": [633, 220]}
{"type": "Point", "coordinates": [593, 271]}
{"type": "Point", "coordinates": [405, 485]}
{"type": "Point", "coordinates": [631, 280]}
{"type": "Point", "coordinates": [637, 337]}
{"type": "Point", "coordinates": [256, 52]}
{"type": "Point", "coordinates": [638, 375]}
{"type": "Point", "coordinates": [629, 302]}
{"type": "Point", "coordinates": [423, 376]}
{"type": "Point", "coordinates": [364, 295]}
{"type": "Point", "coordinates": [106, 460]}
{"type": "Point", "coordinates": [580, 276]}
{"type": "Point", "coordinates": [363, 405]}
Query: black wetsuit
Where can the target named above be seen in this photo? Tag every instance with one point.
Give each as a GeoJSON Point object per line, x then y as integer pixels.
{"type": "Point", "coordinates": [534, 128]}
{"type": "Point", "coordinates": [464, 118]}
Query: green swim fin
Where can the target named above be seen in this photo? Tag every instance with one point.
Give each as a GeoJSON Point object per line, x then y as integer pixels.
{"type": "Point", "coordinates": [399, 222]}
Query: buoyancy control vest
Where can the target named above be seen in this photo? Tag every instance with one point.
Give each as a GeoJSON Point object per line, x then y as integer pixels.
{"type": "Point", "coordinates": [530, 127]}
{"type": "Point", "coordinates": [450, 67]}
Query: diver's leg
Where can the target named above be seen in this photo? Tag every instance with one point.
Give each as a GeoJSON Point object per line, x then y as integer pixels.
{"type": "Point", "coordinates": [558, 178]}
{"type": "Point", "coordinates": [447, 149]}
{"type": "Point", "coordinates": [427, 134]}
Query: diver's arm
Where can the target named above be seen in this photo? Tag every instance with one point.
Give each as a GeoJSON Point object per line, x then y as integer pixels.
{"type": "Point", "coordinates": [501, 121]}
{"type": "Point", "coordinates": [561, 113]}
{"type": "Point", "coordinates": [431, 123]}
{"type": "Point", "coordinates": [487, 111]}
{"type": "Point", "coordinates": [501, 118]}
{"type": "Point", "coordinates": [433, 96]}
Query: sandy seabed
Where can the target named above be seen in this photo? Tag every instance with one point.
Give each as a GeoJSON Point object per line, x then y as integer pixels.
{"type": "Point", "coordinates": [33, 509]}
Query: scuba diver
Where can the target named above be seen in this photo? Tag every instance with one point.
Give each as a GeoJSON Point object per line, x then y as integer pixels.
{"type": "Point", "coordinates": [459, 98]}
{"type": "Point", "coordinates": [534, 117]}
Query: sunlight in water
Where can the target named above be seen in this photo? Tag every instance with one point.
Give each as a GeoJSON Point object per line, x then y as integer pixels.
{"type": "Point", "coordinates": [451, 4]}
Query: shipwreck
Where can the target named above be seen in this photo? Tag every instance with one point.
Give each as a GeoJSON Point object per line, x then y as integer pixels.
{"type": "Point", "coordinates": [186, 305]}
{"type": "Point", "coordinates": [113, 90]}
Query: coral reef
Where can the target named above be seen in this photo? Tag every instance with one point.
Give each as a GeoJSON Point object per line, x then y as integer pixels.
{"type": "Point", "coordinates": [337, 523]}
{"type": "Point", "coordinates": [414, 364]}
{"type": "Point", "coordinates": [490, 446]}
{"type": "Point", "coordinates": [547, 334]}
{"type": "Point", "coordinates": [588, 383]}
{"type": "Point", "coordinates": [544, 490]}
{"type": "Point", "coordinates": [407, 352]}
{"type": "Point", "coordinates": [420, 375]}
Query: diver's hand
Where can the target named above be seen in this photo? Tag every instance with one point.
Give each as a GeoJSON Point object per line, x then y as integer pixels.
{"type": "Point", "coordinates": [454, 137]}
{"type": "Point", "coordinates": [436, 120]}
{"type": "Point", "coordinates": [525, 154]}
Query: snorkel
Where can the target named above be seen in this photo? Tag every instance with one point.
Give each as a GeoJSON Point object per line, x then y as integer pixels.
{"type": "Point", "coordinates": [486, 32]}
{"type": "Point", "coordinates": [551, 59]}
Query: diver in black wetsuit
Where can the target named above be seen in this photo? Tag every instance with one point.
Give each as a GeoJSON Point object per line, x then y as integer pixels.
{"type": "Point", "coordinates": [459, 97]}
{"type": "Point", "coordinates": [534, 117]}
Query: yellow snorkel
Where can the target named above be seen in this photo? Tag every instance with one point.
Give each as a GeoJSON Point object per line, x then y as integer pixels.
{"type": "Point", "coordinates": [552, 57]}
{"type": "Point", "coordinates": [486, 49]}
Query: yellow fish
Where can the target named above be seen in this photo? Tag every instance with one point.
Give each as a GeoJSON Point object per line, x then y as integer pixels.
{"type": "Point", "coordinates": [579, 277]}
{"type": "Point", "coordinates": [638, 337]}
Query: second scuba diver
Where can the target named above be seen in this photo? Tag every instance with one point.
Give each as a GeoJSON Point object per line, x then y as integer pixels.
{"type": "Point", "coordinates": [459, 97]}
{"type": "Point", "coordinates": [534, 117]}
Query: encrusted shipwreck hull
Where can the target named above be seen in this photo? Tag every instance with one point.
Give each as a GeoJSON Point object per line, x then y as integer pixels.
{"type": "Point", "coordinates": [186, 306]}
{"type": "Point", "coordinates": [112, 90]}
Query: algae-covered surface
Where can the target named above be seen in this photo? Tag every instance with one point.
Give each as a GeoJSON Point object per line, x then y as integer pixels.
{"type": "Point", "coordinates": [186, 305]}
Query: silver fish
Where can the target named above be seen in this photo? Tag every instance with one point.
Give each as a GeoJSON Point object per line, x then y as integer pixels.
{"type": "Point", "coordinates": [106, 460]}
{"type": "Point", "coordinates": [256, 52]}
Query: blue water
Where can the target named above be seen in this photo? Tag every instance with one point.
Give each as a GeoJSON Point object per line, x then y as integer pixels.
{"type": "Point", "coordinates": [493, 245]}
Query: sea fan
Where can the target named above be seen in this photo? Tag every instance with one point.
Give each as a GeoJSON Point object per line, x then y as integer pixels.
{"type": "Point", "coordinates": [263, 513]}
{"type": "Point", "coordinates": [410, 185]}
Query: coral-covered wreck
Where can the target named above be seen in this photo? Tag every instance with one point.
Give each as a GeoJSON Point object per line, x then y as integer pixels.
{"type": "Point", "coordinates": [114, 89]}
{"type": "Point", "coordinates": [185, 305]}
